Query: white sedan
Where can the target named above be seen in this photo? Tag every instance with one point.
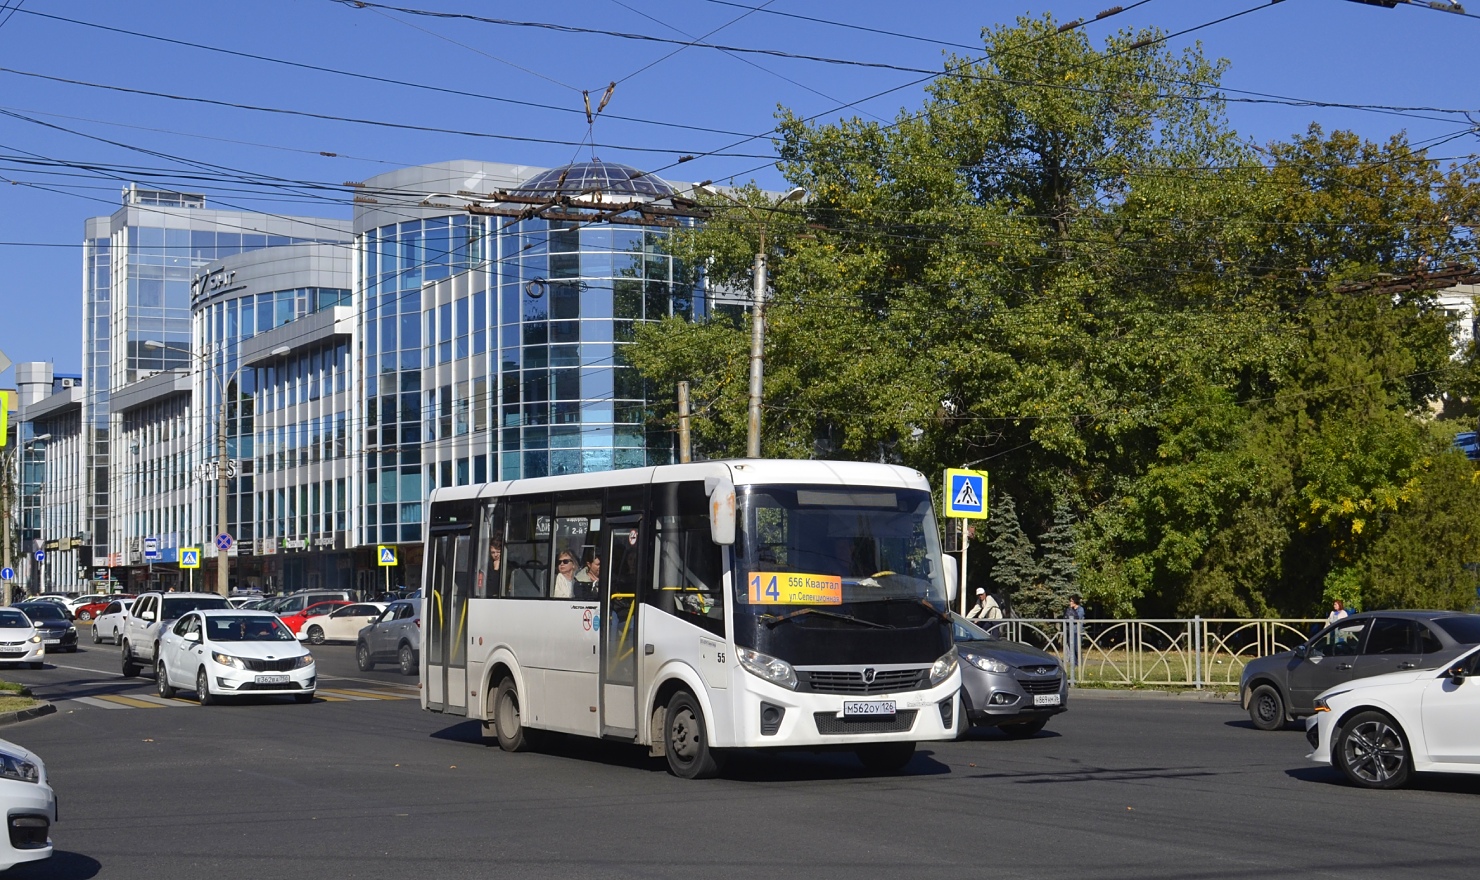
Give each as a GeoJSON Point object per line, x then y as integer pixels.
{"type": "Point", "coordinates": [110, 622]}
{"type": "Point", "coordinates": [1381, 730]}
{"type": "Point", "coordinates": [20, 641]}
{"type": "Point", "coordinates": [222, 652]}
{"type": "Point", "coordinates": [343, 624]}
{"type": "Point", "coordinates": [29, 804]}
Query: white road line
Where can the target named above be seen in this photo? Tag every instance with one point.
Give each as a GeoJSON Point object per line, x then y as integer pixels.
{"type": "Point", "coordinates": [101, 704]}
{"type": "Point", "coordinates": [150, 698]}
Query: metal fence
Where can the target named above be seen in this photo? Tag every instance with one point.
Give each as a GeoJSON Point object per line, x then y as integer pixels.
{"type": "Point", "coordinates": [1196, 652]}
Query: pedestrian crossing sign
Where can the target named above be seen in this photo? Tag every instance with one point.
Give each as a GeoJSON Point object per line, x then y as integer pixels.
{"type": "Point", "coordinates": [387, 555]}
{"type": "Point", "coordinates": [190, 557]}
{"type": "Point", "coordinates": [966, 493]}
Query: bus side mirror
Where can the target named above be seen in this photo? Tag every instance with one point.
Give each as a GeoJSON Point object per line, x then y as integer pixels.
{"type": "Point", "coordinates": [953, 578]}
{"type": "Point", "coordinates": [721, 510]}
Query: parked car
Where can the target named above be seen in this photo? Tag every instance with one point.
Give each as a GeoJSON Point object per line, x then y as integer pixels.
{"type": "Point", "coordinates": [243, 601]}
{"type": "Point", "coordinates": [294, 622]}
{"type": "Point", "coordinates": [50, 619]}
{"type": "Point", "coordinates": [74, 603]}
{"type": "Point", "coordinates": [20, 641]}
{"type": "Point", "coordinates": [1283, 685]}
{"type": "Point", "coordinates": [108, 625]}
{"type": "Point", "coordinates": [291, 604]}
{"type": "Point", "coordinates": [1381, 730]}
{"type": "Point", "coordinates": [1005, 684]}
{"type": "Point", "coordinates": [91, 610]}
{"type": "Point", "coordinates": [29, 805]}
{"type": "Point", "coordinates": [149, 616]}
{"type": "Point", "coordinates": [395, 635]}
{"type": "Point", "coordinates": [223, 652]}
{"type": "Point", "coordinates": [343, 624]}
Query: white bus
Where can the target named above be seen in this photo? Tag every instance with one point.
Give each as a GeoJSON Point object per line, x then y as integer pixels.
{"type": "Point", "coordinates": [695, 608]}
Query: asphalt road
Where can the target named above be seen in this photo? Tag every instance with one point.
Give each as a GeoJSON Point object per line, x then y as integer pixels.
{"type": "Point", "coordinates": [373, 787]}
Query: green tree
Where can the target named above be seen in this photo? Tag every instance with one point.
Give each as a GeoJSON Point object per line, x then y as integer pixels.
{"type": "Point", "coordinates": [1013, 568]}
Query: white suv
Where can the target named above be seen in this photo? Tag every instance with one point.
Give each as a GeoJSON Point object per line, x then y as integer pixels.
{"type": "Point", "coordinates": [147, 618]}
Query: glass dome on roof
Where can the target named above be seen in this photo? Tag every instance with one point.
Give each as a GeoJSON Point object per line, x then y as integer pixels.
{"type": "Point", "coordinates": [597, 181]}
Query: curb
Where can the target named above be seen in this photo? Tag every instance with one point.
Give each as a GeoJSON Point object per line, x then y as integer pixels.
{"type": "Point", "coordinates": [26, 714]}
{"type": "Point", "coordinates": [1128, 694]}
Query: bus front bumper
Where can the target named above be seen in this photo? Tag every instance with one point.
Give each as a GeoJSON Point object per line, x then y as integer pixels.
{"type": "Point", "coordinates": [771, 716]}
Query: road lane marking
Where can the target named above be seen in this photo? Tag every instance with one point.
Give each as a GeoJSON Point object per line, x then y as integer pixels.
{"type": "Point", "coordinates": [173, 703]}
{"type": "Point", "coordinates": [131, 702]}
{"type": "Point", "coordinates": [101, 704]}
{"type": "Point", "coordinates": [348, 695]}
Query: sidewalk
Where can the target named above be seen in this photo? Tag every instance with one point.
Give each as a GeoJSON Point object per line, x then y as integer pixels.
{"type": "Point", "coordinates": [1078, 693]}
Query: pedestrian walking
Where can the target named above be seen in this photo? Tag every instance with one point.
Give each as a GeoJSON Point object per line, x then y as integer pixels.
{"type": "Point", "coordinates": [1338, 611]}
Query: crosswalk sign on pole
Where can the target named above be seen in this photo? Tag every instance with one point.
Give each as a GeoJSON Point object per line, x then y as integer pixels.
{"type": "Point", "coordinates": [387, 555]}
{"type": "Point", "coordinates": [190, 557]}
{"type": "Point", "coordinates": [966, 493]}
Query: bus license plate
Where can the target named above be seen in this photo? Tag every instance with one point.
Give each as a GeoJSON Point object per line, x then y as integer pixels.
{"type": "Point", "coordinates": [273, 679]}
{"type": "Point", "coordinates": [1045, 699]}
{"type": "Point", "coordinates": [868, 709]}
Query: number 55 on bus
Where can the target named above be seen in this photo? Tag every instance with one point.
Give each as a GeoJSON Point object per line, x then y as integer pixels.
{"type": "Point", "coordinates": [695, 609]}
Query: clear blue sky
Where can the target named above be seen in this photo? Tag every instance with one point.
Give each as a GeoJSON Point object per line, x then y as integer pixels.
{"type": "Point", "coordinates": [1324, 50]}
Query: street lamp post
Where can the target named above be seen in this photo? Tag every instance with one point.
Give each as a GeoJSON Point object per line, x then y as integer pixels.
{"type": "Point", "coordinates": [222, 557]}
{"type": "Point", "coordinates": [757, 318]}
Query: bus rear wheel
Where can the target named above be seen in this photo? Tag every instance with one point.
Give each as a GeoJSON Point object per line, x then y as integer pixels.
{"type": "Point", "coordinates": [686, 739]}
{"type": "Point", "coordinates": [508, 725]}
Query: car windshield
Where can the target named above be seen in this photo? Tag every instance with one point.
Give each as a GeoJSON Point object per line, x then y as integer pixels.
{"type": "Point", "coordinates": [247, 628]}
{"type": "Point", "coordinates": [12, 619]}
{"type": "Point", "coordinates": [175, 608]}
{"type": "Point", "coordinates": [963, 630]}
{"type": "Point", "coordinates": [831, 545]}
{"type": "Point", "coordinates": [44, 611]}
{"type": "Point", "coordinates": [1465, 630]}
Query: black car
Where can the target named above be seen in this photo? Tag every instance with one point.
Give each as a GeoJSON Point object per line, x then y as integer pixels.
{"type": "Point", "coordinates": [51, 620]}
{"type": "Point", "coordinates": [1005, 684]}
{"type": "Point", "coordinates": [1283, 685]}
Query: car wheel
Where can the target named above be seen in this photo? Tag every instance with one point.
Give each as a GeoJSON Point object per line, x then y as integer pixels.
{"type": "Point", "coordinates": [1024, 729]}
{"type": "Point", "coordinates": [203, 688]}
{"type": "Point", "coordinates": [885, 757]}
{"type": "Point", "coordinates": [303, 698]}
{"type": "Point", "coordinates": [686, 739]}
{"type": "Point", "coordinates": [508, 726]}
{"type": "Point", "coordinates": [316, 635]}
{"type": "Point", "coordinates": [131, 666]}
{"type": "Point", "coordinates": [1372, 751]}
{"type": "Point", "coordinates": [362, 657]}
{"type": "Point", "coordinates": [166, 689]}
{"type": "Point", "coordinates": [1267, 708]}
{"type": "Point", "coordinates": [97, 637]}
{"type": "Point", "coordinates": [407, 659]}
{"type": "Point", "coordinates": [84, 615]}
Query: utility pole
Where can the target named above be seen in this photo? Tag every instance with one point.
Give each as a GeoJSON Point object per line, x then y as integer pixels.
{"type": "Point", "coordinates": [222, 554]}
{"type": "Point", "coordinates": [684, 452]}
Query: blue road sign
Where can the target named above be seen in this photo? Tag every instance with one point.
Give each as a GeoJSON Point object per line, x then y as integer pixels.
{"type": "Point", "coordinates": [40, 555]}
{"type": "Point", "coordinates": [7, 574]}
{"type": "Point", "coordinates": [223, 542]}
{"type": "Point", "coordinates": [966, 493]}
{"type": "Point", "coordinates": [151, 550]}
{"type": "Point", "coordinates": [190, 557]}
{"type": "Point", "coordinates": [387, 555]}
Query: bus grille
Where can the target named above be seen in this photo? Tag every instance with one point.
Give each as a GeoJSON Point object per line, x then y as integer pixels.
{"type": "Point", "coordinates": [831, 724]}
{"type": "Point", "coordinates": [850, 682]}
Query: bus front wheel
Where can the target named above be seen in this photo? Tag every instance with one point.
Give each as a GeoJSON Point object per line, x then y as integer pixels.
{"type": "Point", "coordinates": [686, 739]}
{"type": "Point", "coordinates": [512, 737]}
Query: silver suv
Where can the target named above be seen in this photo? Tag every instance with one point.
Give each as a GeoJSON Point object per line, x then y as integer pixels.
{"type": "Point", "coordinates": [395, 636]}
{"type": "Point", "coordinates": [147, 618]}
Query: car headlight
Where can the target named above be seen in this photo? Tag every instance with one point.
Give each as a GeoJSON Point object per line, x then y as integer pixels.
{"type": "Point", "coordinates": [228, 660]}
{"type": "Point", "coordinates": [16, 767]}
{"type": "Point", "coordinates": [1320, 704]}
{"type": "Point", "coordinates": [305, 660]}
{"type": "Point", "coordinates": [36, 639]}
{"type": "Point", "coordinates": [767, 667]}
{"type": "Point", "coordinates": [71, 629]}
{"type": "Point", "coordinates": [986, 664]}
{"type": "Point", "coordinates": [943, 668]}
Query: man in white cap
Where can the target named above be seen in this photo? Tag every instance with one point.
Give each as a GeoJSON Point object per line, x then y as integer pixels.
{"type": "Point", "coordinates": [986, 607]}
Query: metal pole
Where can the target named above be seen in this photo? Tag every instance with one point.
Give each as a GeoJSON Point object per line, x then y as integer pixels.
{"type": "Point", "coordinates": [221, 555]}
{"type": "Point", "coordinates": [965, 545]}
{"type": "Point", "coordinates": [757, 351]}
{"type": "Point", "coordinates": [5, 503]}
{"type": "Point", "coordinates": [684, 452]}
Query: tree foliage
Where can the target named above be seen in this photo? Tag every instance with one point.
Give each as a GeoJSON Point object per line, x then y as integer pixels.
{"type": "Point", "coordinates": [1067, 263]}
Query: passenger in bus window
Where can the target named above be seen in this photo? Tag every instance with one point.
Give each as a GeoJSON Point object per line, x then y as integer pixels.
{"type": "Point", "coordinates": [589, 578]}
{"type": "Point", "coordinates": [565, 576]}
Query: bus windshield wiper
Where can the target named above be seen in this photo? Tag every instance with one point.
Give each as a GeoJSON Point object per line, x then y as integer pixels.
{"type": "Point", "coordinates": [773, 620]}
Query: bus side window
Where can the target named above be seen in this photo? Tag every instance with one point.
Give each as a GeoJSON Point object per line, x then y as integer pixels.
{"type": "Point", "coordinates": [689, 566]}
{"type": "Point", "coordinates": [488, 583]}
{"type": "Point", "coordinates": [527, 550]}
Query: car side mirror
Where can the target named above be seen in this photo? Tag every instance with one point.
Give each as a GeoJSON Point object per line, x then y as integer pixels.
{"type": "Point", "coordinates": [952, 576]}
{"type": "Point", "coordinates": [147, 615]}
{"type": "Point", "coordinates": [1457, 674]}
{"type": "Point", "coordinates": [721, 494]}
{"type": "Point", "coordinates": [1300, 651]}
{"type": "Point", "coordinates": [192, 637]}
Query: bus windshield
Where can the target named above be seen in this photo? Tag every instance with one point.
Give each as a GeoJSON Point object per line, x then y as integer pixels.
{"type": "Point", "coordinates": [819, 546]}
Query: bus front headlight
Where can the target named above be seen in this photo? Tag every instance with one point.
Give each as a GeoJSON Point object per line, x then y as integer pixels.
{"type": "Point", "coordinates": [767, 667]}
{"type": "Point", "coordinates": [943, 668]}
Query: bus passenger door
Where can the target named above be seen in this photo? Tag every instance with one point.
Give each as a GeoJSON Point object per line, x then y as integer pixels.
{"type": "Point", "coordinates": [619, 636]}
{"type": "Point", "coordinates": [446, 616]}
